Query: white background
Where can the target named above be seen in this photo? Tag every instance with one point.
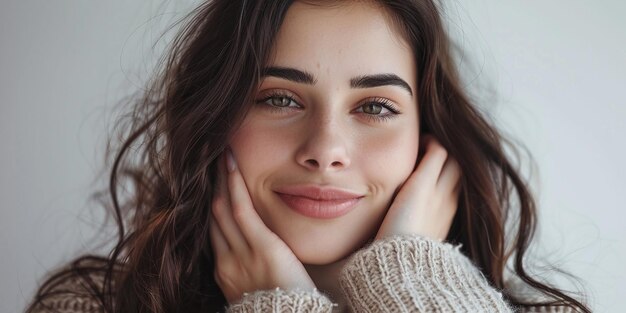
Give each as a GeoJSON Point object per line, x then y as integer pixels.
{"type": "Point", "coordinates": [558, 69]}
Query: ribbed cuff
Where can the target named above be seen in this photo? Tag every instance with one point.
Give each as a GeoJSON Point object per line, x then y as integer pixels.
{"type": "Point", "coordinates": [279, 300]}
{"type": "Point", "coordinates": [409, 273]}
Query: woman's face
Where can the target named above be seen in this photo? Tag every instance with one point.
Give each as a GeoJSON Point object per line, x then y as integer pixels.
{"type": "Point", "coordinates": [334, 130]}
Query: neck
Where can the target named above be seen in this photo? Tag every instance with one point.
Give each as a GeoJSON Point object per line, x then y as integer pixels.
{"type": "Point", "coordinates": [326, 279]}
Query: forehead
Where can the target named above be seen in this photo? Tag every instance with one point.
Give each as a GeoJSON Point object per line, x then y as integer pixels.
{"type": "Point", "coordinates": [352, 38]}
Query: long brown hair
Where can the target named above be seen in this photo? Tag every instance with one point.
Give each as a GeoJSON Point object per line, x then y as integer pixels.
{"type": "Point", "coordinates": [163, 261]}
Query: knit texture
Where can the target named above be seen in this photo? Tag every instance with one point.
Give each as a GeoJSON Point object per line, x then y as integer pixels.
{"type": "Point", "coordinates": [279, 301]}
{"type": "Point", "coordinates": [396, 274]}
{"type": "Point", "coordinates": [72, 297]}
{"type": "Point", "coordinates": [414, 274]}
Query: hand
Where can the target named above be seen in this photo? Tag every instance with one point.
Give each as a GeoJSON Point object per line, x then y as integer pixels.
{"type": "Point", "coordinates": [248, 256]}
{"type": "Point", "coordinates": [428, 199]}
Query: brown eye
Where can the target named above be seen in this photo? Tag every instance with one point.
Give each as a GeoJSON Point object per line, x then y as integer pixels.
{"type": "Point", "coordinates": [372, 108]}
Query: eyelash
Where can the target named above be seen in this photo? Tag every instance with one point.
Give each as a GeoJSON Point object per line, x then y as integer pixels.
{"type": "Point", "coordinates": [383, 102]}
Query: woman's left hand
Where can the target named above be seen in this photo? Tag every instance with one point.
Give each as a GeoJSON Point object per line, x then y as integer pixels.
{"type": "Point", "coordinates": [428, 199]}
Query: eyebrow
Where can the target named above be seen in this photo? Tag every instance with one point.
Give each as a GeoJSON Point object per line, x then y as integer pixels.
{"type": "Point", "coordinates": [291, 74]}
{"type": "Point", "coordinates": [369, 81]}
{"type": "Point", "coordinates": [364, 81]}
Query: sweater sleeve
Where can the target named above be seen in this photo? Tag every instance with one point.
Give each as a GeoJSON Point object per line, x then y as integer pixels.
{"type": "Point", "coordinates": [280, 300]}
{"type": "Point", "coordinates": [414, 274]}
{"type": "Point", "coordinates": [70, 296]}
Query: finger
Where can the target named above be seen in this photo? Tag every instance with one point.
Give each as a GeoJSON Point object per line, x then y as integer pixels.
{"type": "Point", "coordinates": [218, 241]}
{"type": "Point", "coordinates": [432, 162]}
{"type": "Point", "coordinates": [449, 186]}
{"type": "Point", "coordinates": [245, 215]}
{"type": "Point", "coordinates": [450, 175]}
{"type": "Point", "coordinates": [223, 213]}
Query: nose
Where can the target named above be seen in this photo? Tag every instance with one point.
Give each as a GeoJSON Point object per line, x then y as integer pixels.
{"type": "Point", "coordinates": [324, 147]}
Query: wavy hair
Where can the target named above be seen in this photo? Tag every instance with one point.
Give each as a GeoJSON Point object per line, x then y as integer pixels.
{"type": "Point", "coordinates": [163, 261]}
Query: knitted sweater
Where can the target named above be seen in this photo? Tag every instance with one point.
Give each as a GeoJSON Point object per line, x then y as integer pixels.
{"type": "Point", "coordinates": [396, 274]}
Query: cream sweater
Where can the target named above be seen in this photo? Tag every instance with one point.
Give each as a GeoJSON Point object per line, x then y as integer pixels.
{"type": "Point", "coordinates": [397, 274]}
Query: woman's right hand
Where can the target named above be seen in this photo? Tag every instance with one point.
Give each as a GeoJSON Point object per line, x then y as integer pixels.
{"type": "Point", "coordinates": [428, 200]}
{"type": "Point", "coordinates": [248, 255]}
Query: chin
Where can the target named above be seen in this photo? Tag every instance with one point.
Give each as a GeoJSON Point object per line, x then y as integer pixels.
{"type": "Point", "coordinates": [325, 249]}
{"type": "Point", "coordinates": [323, 241]}
{"type": "Point", "coordinates": [323, 256]}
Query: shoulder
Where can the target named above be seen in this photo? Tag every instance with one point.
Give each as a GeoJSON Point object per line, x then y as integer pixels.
{"type": "Point", "coordinates": [75, 288]}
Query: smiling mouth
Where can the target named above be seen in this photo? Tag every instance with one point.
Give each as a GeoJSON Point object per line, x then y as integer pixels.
{"type": "Point", "coordinates": [319, 208]}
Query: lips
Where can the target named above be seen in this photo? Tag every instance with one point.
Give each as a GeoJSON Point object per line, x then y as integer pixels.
{"type": "Point", "coordinates": [318, 202]}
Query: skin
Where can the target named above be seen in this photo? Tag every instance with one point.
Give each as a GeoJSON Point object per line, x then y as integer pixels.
{"type": "Point", "coordinates": [319, 138]}
{"type": "Point", "coordinates": [327, 132]}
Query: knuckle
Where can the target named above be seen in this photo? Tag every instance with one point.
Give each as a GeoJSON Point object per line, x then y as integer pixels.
{"type": "Point", "coordinates": [229, 278]}
{"type": "Point", "coordinates": [220, 274]}
{"type": "Point", "coordinates": [217, 206]}
{"type": "Point", "coordinates": [223, 279]}
{"type": "Point", "coordinates": [223, 270]}
{"type": "Point", "coordinates": [239, 214]}
{"type": "Point", "coordinates": [218, 200]}
{"type": "Point", "coordinates": [440, 151]}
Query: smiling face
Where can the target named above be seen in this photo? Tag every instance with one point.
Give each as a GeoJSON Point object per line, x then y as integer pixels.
{"type": "Point", "coordinates": [336, 112]}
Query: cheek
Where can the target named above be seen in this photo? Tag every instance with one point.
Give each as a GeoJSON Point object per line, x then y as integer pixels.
{"type": "Point", "coordinates": [261, 154]}
{"type": "Point", "coordinates": [256, 151]}
{"type": "Point", "coordinates": [390, 159]}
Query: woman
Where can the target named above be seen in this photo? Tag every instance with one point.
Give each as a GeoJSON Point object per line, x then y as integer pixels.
{"type": "Point", "coordinates": [311, 156]}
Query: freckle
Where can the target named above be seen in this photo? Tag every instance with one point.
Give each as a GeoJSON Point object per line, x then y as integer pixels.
{"type": "Point", "coordinates": [318, 65]}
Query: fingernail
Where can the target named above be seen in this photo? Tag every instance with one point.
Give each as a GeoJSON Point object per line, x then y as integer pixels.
{"type": "Point", "coordinates": [230, 161]}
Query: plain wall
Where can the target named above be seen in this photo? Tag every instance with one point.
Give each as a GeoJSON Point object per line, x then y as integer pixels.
{"type": "Point", "coordinates": [558, 69]}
